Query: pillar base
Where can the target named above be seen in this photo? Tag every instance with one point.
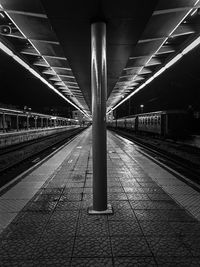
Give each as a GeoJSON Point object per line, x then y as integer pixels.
{"type": "Point", "coordinates": [101, 212]}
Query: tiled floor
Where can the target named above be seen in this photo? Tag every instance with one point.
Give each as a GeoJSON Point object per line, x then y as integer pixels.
{"type": "Point", "coordinates": [148, 227]}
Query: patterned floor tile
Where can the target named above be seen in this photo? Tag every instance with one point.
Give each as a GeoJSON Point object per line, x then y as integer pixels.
{"type": "Point", "coordinates": [54, 247]}
{"type": "Point", "coordinates": [186, 228]}
{"type": "Point", "coordinates": [68, 205]}
{"type": "Point", "coordinates": [177, 215]}
{"type": "Point", "coordinates": [153, 190]}
{"type": "Point", "coordinates": [85, 216]}
{"type": "Point", "coordinates": [91, 262]}
{"type": "Point", "coordinates": [42, 206]}
{"type": "Point", "coordinates": [193, 244]}
{"type": "Point", "coordinates": [159, 197]}
{"type": "Point", "coordinates": [124, 228]}
{"type": "Point", "coordinates": [122, 215]}
{"type": "Point", "coordinates": [130, 246]}
{"type": "Point", "coordinates": [134, 261]}
{"type": "Point", "coordinates": [137, 196]}
{"type": "Point", "coordinates": [89, 246]}
{"type": "Point", "coordinates": [37, 263]}
{"type": "Point", "coordinates": [157, 228]}
{"type": "Point", "coordinates": [71, 197]}
{"type": "Point", "coordinates": [149, 215]}
{"type": "Point", "coordinates": [142, 204]}
{"type": "Point", "coordinates": [167, 246]}
{"type": "Point", "coordinates": [94, 228]}
{"type": "Point", "coordinates": [23, 231]}
{"type": "Point", "coordinates": [178, 261]}
{"type": "Point", "coordinates": [17, 249]}
{"type": "Point", "coordinates": [117, 196]}
{"type": "Point", "coordinates": [134, 190]}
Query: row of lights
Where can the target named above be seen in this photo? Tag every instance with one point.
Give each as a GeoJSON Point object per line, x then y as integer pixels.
{"type": "Point", "coordinates": [191, 46]}
{"type": "Point", "coordinates": [36, 74]}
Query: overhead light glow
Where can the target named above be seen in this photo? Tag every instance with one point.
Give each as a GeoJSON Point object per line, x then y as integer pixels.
{"type": "Point", "coordinates": [191, 46]}
{"type": "Point", "coordinates": [6, 49]}
{"type": "Point", "coordinates": [159, 72]}
{"type": "Point", "coordinates": [173, 61]}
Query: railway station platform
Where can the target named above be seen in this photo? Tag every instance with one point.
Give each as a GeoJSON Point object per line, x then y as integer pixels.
{"type": "Point", "coordinates": [44, 219]}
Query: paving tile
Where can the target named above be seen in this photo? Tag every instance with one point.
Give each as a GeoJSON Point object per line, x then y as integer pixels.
{"type": "Point", "coordinates": [40, 206]}
{"type": "Point", "coordinates": [178, 261]}
{"type": "Point", "coordinates": [137, 196]}
{"type": "Point", "coordinates": [54, 247]}
{"type": "Point", "coordinates": [157, 228]}
{"type": "Point", "coordinates": [17, 249]}
{"type": "Point", "coordinates": [23, 231]}
{"type": "Point", "coordinates": [89, 246]}
{"type": "Point", "coordinates": [71, 197]}
{"type": "Point", "coordinates": [154, 196]}
{"type": "Point", "coordinates": [193, 244]}
{"type": "Point", "coordinates": [167, 246]}
{"type": "Point", "coordinates": [117, 196]}
{"type": "Point", "coordinates": [92, 262]}
{"type": "Point", "coordinates": [134, 190]}
{"type": "Point", "coordinates": [177, 215]}
{"type": "Point", "coordinates": [124, 228]}
{"type": "Point", "coordinates": [134, 261]}
{"type": "Point", "coordinates": [153, 190]}
{"type": "Point", "coordinates": [68, 205]}
{"type": "Point", "coordinates": [130, 246]}
{"type": "Point", "coordinates": [186, 228]}
{"type": "Point", "coordinates": [150, 215]}
{"type": "Point", "coordinates": [84, 216]}
{"type": "Point", "coordinates": [94, 228]}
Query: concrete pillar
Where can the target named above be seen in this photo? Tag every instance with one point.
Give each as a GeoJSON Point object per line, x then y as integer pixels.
{"type": "Point", "coordinates": [99, 97]}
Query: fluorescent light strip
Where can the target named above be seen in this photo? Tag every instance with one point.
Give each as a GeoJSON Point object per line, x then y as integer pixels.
{"type": "Point", "coordinates": [36, 74]}
{"type": "Point", "coordinates": [168, 65]}
{"type": "Point", "coordinates": [42, 79]}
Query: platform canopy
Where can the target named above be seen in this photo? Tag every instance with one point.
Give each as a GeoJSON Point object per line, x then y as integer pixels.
{"type": "Point", "coordinates": [52, 40]}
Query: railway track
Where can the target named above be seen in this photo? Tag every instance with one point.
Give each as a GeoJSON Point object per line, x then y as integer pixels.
{"type": "Point", "coordinates": [18, 158]}
{"type": "Point", "coordinates": [180, 166]}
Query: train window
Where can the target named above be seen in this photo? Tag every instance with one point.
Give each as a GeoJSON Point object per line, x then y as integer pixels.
{"type": "Point", "coordinates": [145, 120]}
{"type": "Point", "coordinates": [159, 120]}
{"type": "Point", "coordinates": [149, 120]}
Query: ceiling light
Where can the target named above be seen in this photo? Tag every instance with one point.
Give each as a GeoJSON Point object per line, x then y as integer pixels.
{"type": "Point", "coordinates": [191, 46]}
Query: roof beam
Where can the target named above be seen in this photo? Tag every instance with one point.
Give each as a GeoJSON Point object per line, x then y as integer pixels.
{"type": "Point", "coordinates": [171, 10]}
{"type": "Point", "coordinates": [38, 15]}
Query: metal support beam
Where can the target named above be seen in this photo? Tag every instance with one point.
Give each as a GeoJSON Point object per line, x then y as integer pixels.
{"type": "Point", "coordinates": [17, 122]}
{"type": "Point", "coordinates": [4, 122]}
{"type": "Point", "coordinates": [99, 96]}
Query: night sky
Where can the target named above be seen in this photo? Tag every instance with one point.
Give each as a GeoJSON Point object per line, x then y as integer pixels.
{"type": "Point", "coordinates": [177, 88]}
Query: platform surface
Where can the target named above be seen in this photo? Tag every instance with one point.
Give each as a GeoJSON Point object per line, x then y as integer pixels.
{"type": "Point", "coordinates": [44, 219]}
